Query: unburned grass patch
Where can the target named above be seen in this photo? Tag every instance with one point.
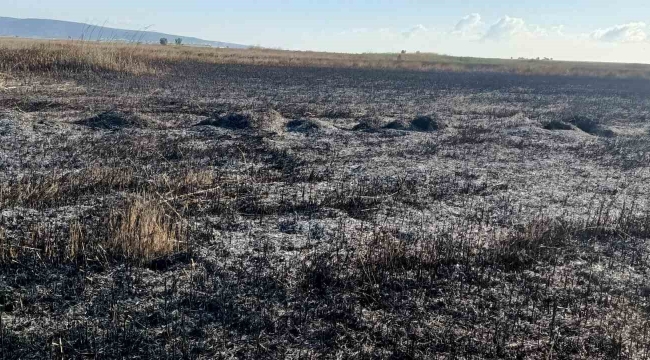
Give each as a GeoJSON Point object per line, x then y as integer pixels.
{"type": "Point", "coordinates": [143, 229]}
{"type": "Point", "coordinates": [75, 58]}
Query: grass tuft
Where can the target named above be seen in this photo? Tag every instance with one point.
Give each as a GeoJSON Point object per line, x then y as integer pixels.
{"type": "Point", "coordinates": [142, 230]}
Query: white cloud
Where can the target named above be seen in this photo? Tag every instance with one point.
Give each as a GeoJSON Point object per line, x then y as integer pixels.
{"type": "Point", "coordinates": [468, 23]}
{"type": "Point", "coordinates": [354, 31]}
{"type": "Point", "coordinates": [558, 30]}
{"type": "Point", "coordinates": [632, 32]}
{"type": "Point", "coordinates": [507, 27]}
{"type": "Point", "coordinates": [417, 29]}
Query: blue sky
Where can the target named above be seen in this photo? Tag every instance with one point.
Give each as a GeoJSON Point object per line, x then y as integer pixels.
{"type": "Point", "coordinates": [576, 30]}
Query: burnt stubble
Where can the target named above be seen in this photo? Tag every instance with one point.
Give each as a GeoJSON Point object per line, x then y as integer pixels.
{"type": "Point", "coordinates": [250, 211]}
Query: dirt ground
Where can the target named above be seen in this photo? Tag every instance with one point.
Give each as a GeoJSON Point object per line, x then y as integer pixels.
{"type": "Point", "coordinates": [239, 211]}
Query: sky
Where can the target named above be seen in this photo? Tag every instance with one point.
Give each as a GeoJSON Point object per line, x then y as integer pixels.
{"type": "Point", "coordinates": [596, 30]}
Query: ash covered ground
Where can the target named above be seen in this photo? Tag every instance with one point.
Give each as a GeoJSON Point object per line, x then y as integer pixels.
{"type": "Point", "coordinates": [240, 211]}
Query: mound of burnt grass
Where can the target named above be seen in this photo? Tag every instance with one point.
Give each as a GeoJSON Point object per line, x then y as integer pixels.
{"type": "Point", "coordinates": [421, 123]}
{"type": "Point", "coordinates": [303, 125]}
{"type": "Point", "coordinates": [397, 125]}
{"type": "Point", "coordinates": [590, 126]}
{"type": "Point", "coordinates": [369, 123]}
{"type": "Point", "coordinates": [426, 123]}
{"type": "Point", "coordinates": [557, 125]}
{"type": "Point", "coordinates": [263, 120]}
{"type": "Point", "coordinates": [115, 120]}
{"type": "Point", "coordinates": [229, 121]}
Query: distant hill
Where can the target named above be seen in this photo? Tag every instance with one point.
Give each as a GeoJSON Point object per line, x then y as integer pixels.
{"type": "Point", "coordinates": [56, 29]}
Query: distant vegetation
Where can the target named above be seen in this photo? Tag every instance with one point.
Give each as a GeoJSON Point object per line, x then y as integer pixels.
{"type": "Point", "coordinates": [79, 56]}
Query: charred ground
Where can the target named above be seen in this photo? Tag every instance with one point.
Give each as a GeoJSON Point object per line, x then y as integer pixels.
{"type": "Point", "coordinates": [220, 211]}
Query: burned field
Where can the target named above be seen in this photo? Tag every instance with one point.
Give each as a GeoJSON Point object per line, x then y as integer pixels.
{"type": "Point", "coordinates": [220, 211]}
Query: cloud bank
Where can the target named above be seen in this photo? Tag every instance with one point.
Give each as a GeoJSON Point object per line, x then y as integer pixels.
{"type": "Point", "coordinates": [628, 33]}
{"type": "Point", "coordinates": [505, 38]}
{"type": "Point", "coordinates": [507, 27]}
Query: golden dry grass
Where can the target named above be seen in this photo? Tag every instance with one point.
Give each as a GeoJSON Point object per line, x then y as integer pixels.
{"type": "Point", "coordinates": [139, 230]}
{"type": "Point", "coordinates": [58, 56]}
{"type": "Point", "coordinates": [142, 230]}
{"type": "Point", "coordinates": [76, 244]}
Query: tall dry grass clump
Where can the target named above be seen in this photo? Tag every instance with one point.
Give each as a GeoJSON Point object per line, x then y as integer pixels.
{"type": "Point", "coordinates": [76, 243]}
{"type": "Point", "coordinates": [143, 231]}
{"type": "Point", "coordinates": [57, 57]}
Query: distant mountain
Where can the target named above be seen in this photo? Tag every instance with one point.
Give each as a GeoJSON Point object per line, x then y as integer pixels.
{"type": "Point", "coordinates": [56, 29]}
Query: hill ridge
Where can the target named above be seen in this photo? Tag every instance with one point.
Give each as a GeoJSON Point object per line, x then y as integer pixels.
{"type": "Point", "coordinates": [61, 29]}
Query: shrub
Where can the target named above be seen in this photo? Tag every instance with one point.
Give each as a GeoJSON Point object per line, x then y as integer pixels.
{"type": "Point", "coordinates": [178, 41]}
{"type": "Point", "coordinates": [164, 41]}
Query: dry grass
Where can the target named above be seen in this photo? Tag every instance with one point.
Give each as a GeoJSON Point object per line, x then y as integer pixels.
{"type": "Point", "coordinates": [59, 56]}
{"type": "Point", "coordinates": [40, 190]}
{"type": "Point", "coordinates": [6, 251]}
{"type": "Point", "coordinates": [139, 230]}
{"type": "Point", "coordinates": [76, 246]}
{"type": "Point", "coordinates": [143, 231]}
{"type": "Point", "coordinates": [82, 57]}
